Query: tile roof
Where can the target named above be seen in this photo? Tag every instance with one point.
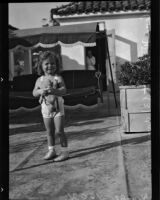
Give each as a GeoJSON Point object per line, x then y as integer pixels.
{"type": "Point", "coordinates": [101, 6]}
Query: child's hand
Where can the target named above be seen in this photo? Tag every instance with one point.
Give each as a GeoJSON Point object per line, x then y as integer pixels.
{"type": "Point", "coordinates": [43, 91]}
{"type": "Point", "coordinates": [51, 91]}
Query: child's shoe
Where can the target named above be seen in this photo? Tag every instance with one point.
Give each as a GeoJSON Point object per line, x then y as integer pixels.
{"type": "Point", "coordinates": [63, 156]}
{"type": "Point", "coordinates": [50, 155]}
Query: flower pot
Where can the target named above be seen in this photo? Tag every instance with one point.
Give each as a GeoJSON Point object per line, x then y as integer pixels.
{"type": "Point", "coordinates": [135, 108]}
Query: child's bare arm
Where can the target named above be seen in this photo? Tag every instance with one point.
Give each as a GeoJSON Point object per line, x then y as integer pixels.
{"type": "Point", "coordinates": [37, 91]}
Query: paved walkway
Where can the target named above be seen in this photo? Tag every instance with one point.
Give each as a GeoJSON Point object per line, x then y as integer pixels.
{"type": "Point", "coordinates": [104, 163]}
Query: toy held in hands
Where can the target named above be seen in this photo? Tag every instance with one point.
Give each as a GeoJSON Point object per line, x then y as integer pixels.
{"type": "Point", "coordinates": [50, 100]}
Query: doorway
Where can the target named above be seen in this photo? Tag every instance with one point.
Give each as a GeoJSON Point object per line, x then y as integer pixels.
{"type": "Point", "coordinates": [100, 57]}
{"type": "Point", "coordinates": [101, 60]}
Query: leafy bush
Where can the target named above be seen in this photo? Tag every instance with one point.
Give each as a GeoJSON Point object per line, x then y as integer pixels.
{"type": "Point", "coordinates": [136, 73]}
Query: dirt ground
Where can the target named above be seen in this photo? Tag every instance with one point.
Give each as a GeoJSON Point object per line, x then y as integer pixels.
{"type": "Point", "coordinates": [104, 163]}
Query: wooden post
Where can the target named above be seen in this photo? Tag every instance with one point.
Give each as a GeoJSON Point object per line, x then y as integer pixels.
{"type": "Point", "coordinates": [30, 60]}
{"type": "Point", "coordinates": [110, 67]}
{"type": "Point", "coordinates": [11, 65]}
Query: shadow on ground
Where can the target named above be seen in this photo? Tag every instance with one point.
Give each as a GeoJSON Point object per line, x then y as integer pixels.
{"type": "Point", "coordinates": [25, 117]}
{"type": "Point", "coordinates": [25, 146]}
{"type": "Point", "coordinates": [38, 127]}
{"type": "Point", "coordinates": [75, 135]}
{"type": "Point", "coordinates": [99, 148]}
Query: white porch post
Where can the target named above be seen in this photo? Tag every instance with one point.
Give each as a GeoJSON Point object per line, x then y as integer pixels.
{"type": "Point", "coordinates": [30, 60]}
{"type": "Point", "coordinates": [11, 65]}
{"type": "Point", "coordinates": [27, 62]}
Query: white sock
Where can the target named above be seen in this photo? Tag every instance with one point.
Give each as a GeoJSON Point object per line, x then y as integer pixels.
{"type": "Point", "coordinates": [51, 148]}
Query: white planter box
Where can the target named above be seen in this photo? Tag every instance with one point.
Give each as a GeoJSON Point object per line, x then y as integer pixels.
{"type": "Point", "coordinates": [135, 108]}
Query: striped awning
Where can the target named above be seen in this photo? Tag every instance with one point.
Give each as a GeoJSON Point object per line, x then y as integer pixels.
{"type": "Point", "coordinates": [68, 35]}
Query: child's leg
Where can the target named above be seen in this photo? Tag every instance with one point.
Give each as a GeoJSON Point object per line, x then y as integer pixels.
{"type": "Point", "coordinates": [50, 137]}
{"type": "Point", "coordinates": [59, 129]}
{"type": "Point", "coordinates": [49, 124]}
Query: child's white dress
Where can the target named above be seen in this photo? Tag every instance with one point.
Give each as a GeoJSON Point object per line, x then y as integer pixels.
{"type": "Point", "coordinates": [44, 107]}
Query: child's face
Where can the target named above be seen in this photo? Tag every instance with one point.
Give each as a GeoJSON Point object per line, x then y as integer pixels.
{"type": "Point", "coordinates": [49, 66]}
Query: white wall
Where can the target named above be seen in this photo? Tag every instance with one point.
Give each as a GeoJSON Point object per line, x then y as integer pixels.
{"type": "Point", "coordinates": [127, 39]}
{"type": "Point", "coordinates": [129, 33]}
{"type": "Point", "coordinates": [73, 57]}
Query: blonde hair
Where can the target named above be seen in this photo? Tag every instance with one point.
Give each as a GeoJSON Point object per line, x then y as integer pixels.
{"type": "Point", "coordinates": [47, 55]}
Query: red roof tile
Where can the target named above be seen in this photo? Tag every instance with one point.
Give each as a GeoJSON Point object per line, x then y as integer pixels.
{"type": "Point", "coordinates": [134, 4]}
{"type": "Point", "coordinates": [88, 7]}
{"type": "Point", "coordinates": [125, 5]}
{"type": "Point", "coordinates": [96, 6]}
{"type": "Point", "coordinates": [103, 6]}
{"type": "Point", "coordinates": [118, 5]}
{"type": "Point", "coordinates": [100, 6]}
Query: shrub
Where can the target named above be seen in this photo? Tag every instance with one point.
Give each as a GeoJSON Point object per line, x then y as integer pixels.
{"type": "Point", "coordinates": [136, 73]}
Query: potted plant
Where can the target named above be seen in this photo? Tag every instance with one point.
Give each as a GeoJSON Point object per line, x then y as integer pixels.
{"type": "Point", "coordinates": [135, 79]}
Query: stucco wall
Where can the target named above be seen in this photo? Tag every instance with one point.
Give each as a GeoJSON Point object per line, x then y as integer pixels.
{"type": "Point", "coordinates": [128, 39]}
{"type": "Point", "coordinates": [73, 57]}
{"type": "Point", "coordinates": [129, 34]}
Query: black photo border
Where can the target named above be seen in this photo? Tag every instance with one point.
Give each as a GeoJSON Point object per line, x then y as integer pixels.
{"type": "Point", "coordinates": [155, 100]}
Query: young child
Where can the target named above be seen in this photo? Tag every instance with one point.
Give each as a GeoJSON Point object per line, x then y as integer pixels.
{"type": "Point", "coordinates": [50, 100]}
{"type": "Point", "coordinates": [49, 87]}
